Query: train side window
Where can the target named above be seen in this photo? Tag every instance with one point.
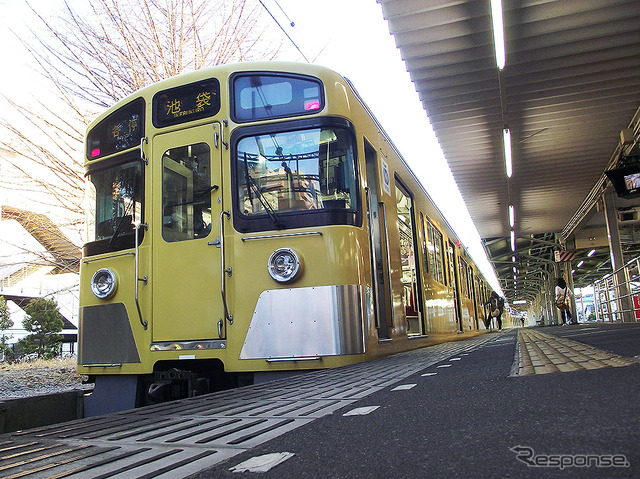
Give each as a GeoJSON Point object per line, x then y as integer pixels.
{"type": "Point", "coordinates": [434, 247]}
{"type": "Point", "coordinates": [464, 281]}
{"type": "Point", "coordinates": [186, 198]}
{"type": "Point", "coordinates": [425, 251]}
{"type": "Point", "coordinates": [470, 282]}
{"type": "Point", "coordinates": [450, 265]}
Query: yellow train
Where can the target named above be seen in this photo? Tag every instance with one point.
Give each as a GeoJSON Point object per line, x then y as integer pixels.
{"type": "Point", "coordinates": [251, 220]}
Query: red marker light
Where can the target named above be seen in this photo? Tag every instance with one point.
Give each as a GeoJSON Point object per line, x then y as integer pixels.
{"type": "Point", "coordinates": [95, 152]}
{"type": "Point", "coordinates": [312, 105]}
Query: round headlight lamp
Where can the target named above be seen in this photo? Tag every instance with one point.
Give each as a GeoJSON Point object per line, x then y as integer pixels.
{"type": "Point", "coordinates": [284, 265]}
{"type": "Point", "coordinates": [103, 283]}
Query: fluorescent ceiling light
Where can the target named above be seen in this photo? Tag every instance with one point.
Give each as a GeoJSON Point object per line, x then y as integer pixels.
{"type": "Point", "coordinates": [591, 253]}
{"type": "Point", "coordinates": [512, 216]}
{"type": "Point", "coordinates": [506, 134]}
{"type": "Point", "coordinates": [580, 264]}
{"type": "Point", "coordinates": [513, 258]}
{"type": "Point", "coordinates": [498, 33]}
{"type": "Point", "coordinates": [520, 301]}
{"type": "Point", "coordinates": [513, 240]}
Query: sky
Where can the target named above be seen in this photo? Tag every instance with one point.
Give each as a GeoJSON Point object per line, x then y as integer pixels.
{"type": "Point", "coordinates": [352, 38]}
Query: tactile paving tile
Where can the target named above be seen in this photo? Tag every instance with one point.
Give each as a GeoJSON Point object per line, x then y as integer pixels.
{"type": "Point", "coordinates": [183, 437]}
{"type": "Point", "coordinates": [542, 353]}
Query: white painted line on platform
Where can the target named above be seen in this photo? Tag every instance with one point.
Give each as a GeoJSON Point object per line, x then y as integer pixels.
{"type": "Point", "coordinates": [428, 374]}
{"type": "Point", "coordinates": [404, 387]}
{"type": "Point", "coordinates": [361, 411]}
{"type": "Point", "coordinates": [445, 366]}
{"type": "Point", "coordinates": [262, 463]}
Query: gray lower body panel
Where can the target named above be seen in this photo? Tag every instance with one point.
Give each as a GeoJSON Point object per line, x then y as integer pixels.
{"type": "Point", "coordinates": [106, 336]}
{"type": "Point", "coordinates": [309, 322]}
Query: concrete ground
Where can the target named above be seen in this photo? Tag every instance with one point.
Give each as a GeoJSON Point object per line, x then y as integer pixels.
{"type": "Point", "coordinates": [535, 402]}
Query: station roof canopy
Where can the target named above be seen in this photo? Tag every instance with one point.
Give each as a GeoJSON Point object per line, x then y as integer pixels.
{"type": "Point", "coordinates": [570, 85]}
{"type": "Point", "coordinates": [66, 256]}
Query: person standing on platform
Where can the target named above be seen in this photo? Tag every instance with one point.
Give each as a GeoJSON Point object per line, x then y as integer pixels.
{"type": "Point", "coordinates": [563, 296]}
{"type": "Point", "coordinates": [496, 307]}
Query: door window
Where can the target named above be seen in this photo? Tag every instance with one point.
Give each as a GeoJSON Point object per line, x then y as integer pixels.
{"type": "Point", "coordinates": [186, 192]}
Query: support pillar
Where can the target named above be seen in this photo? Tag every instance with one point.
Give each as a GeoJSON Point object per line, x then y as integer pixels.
{"type": "Point", "coordinates": [557, 273]}
{"type": "Point", "coordinates": [623, 293]}
{"type": "Point", "coordinates": [569, 276]}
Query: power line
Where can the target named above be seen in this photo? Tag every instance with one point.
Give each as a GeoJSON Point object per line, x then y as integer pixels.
{"type": "Point", "coordinates": [283, 30]}
{"type": "Point", "coordinates": [285, 14]}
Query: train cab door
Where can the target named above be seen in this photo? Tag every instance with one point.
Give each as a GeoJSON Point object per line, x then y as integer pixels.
{"type": "Point", "coordinates": [186, 221]}
{"type": "Point", "coordinates": [377, 222]}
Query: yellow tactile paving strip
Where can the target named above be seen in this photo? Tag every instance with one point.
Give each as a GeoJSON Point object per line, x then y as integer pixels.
{"type": "Point", "coordinates": [542, 353]}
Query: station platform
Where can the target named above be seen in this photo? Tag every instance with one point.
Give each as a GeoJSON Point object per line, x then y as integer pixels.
{"type": "Point", "coordinates": [534, 402]}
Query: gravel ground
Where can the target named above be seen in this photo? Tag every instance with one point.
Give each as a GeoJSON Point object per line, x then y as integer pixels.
{"type": "Point", "coordinates": [39, 377]}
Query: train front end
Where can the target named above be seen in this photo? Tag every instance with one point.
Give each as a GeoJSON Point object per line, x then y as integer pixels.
{"type": "Point", "coordinates": [225, 235]}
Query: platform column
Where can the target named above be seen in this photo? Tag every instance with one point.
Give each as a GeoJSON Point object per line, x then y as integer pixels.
{"type": "Point", "coordinates": [623, 294]}
{"type": "Point", "coordinates": [574, 310]}
{"type": "Point", "coordinates": [558, 272]}
{"type": "Point", "coordinates": [550, 301]}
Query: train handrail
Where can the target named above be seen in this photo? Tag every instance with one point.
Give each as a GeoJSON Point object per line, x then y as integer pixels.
{"type": "Point", "coordinates": [283, 235]}
{"type": "Point", "coordinates": [137, 269]}
{"type": "Point", "coordinates": [224, 270]}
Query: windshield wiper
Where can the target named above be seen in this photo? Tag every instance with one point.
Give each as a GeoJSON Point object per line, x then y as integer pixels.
{"type": "Point", "coordinates": [196, 196]}
{"type": "Point", "coordinates": [200, 194]}
{"type": "Point", "coordinates": [251, 184]}
{"type": "Point", "coordinates": [116, 233]}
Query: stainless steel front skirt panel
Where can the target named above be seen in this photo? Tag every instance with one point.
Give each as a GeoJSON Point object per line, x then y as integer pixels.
{"type": "Point", "coordinates": [309, 322]}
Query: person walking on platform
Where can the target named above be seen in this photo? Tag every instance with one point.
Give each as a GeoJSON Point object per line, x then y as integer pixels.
{"type": "Point", "coordinates": [496, 307]}
{"type": "Point", "coordinates": [563, 296]}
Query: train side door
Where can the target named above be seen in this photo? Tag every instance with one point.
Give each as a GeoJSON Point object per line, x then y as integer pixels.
{"type": "Point", "coordinates": [475, 295]}
{"type": "Point", "coordinates": [377, 221]}
{"type": "Point", "coordinates": [457, 285]}
{"type": "Point", "coordinates": [186, 221]}
{"type": "Point", "coordinates": [411, 287]}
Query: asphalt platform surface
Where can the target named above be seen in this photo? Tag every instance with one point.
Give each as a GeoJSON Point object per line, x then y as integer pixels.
{"type": "Point", "coordinates": [475, 419]}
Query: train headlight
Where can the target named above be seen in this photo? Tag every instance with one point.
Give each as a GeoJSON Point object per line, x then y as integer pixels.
{"type": "Point", "coordinates": [103, 283]}
{"type": "Point", "coordinates": [284, 265]}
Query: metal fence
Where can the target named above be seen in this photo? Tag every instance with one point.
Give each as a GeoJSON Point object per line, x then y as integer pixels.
{"type": "Point", "coordinates": [617, 295]}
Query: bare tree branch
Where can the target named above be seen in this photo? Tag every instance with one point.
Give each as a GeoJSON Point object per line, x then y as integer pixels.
{"type": "Point", "coordinates": [95, 53]}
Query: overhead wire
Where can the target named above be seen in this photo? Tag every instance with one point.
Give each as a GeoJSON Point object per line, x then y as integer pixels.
{"type": "Point", "coordinates": [285, 14]}
{"type": "Point", "coordinates": [283, 30]}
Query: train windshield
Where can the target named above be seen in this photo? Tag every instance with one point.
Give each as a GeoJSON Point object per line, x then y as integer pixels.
{"type": "Point", "coordinates": [295, 171]}
{"type": "Point", "coordinates": [115, 205]}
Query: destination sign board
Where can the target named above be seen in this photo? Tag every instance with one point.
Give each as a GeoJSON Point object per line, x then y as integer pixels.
{"type": "Point", "coordinates": [186, 103]}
